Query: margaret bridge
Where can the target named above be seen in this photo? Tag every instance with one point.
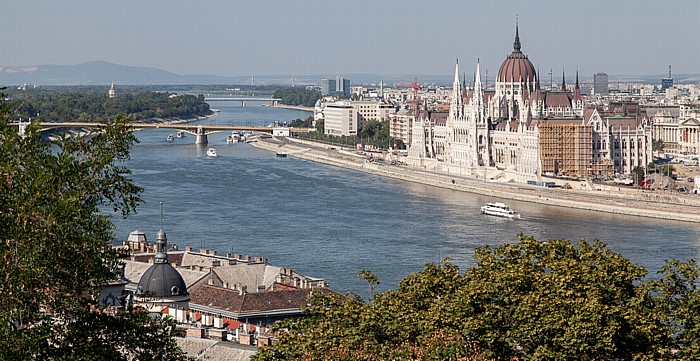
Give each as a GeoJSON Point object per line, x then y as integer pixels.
{"type": "Point", "coordinates": [200, 131]}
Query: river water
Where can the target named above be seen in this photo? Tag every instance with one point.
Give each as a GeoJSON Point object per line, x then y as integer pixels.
{"type": "Point", "coordinates": [330, 222]}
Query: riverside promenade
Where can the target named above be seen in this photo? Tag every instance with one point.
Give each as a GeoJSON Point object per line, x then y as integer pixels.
{"type": "Point", "coordinates": [635, 202]}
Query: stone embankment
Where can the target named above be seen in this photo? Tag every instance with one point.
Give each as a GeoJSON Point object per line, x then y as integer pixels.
{"type": "Point", "coordinates": [643, 203]}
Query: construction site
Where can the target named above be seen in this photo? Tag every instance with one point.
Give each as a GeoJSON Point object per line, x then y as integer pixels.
{"type": "Point", "coordinates": [565, 148]}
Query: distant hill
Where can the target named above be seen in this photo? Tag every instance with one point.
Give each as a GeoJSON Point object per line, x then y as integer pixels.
{"type": "Point", "coordinates": [104, 73]}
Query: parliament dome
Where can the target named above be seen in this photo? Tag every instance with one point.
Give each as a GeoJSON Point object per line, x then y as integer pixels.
{"type": "Point", "coordinates": [517, 67]}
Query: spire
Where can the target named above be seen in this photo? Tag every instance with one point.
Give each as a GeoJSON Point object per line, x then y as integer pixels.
{"type": "Point", "coordinates": [456, 81]}
{"type": "Point", "coordinates": [577, 89]}
{"type": "Point", "coordinates": [161, 241]}
{"type": "Point", "coordinates": [563, 81]}
{"type": "Point", "coordinates": [477, 74]}
{"type": "Point", "coordinates": [456, 104]}
{"type": "Point", "coordinates": [516, 43]}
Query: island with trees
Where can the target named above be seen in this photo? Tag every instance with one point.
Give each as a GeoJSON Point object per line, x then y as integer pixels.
{"type": "Point", "coordinates": [91, 104]}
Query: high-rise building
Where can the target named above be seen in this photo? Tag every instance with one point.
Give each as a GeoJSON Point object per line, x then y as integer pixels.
{"type": "Point", "coordinates": [600, 83]}
{"type": "Point", "coordinates": [336, 87]}
{"type": "Point", "coordinates": [667, 82]}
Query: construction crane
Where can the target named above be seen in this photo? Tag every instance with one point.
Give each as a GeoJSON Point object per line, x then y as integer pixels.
{"type": "Point", "coordinates": [415, 87]}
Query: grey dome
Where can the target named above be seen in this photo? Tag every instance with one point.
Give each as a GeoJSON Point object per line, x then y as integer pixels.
{"type": "Point", "coordinates": [161, 280]}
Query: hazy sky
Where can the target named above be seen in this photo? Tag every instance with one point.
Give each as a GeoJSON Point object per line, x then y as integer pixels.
{"type": "Point", "coordinates": [354, 36]}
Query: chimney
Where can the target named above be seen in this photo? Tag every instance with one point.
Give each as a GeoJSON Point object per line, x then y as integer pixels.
{"type": "Point", "coordinates": [236, 256]}
{"type": "Point", "coordinates": [188, 249]}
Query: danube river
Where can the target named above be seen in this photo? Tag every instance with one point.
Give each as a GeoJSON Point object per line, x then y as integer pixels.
{"type": "Point", "coordinates": [330, 222]}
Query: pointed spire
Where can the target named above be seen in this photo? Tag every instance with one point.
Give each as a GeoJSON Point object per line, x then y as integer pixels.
{"type": "Point", "coordinates": [577, 89]}
{"type": "Point", "coordinates": [456, 81]}
{"type": "Point", "coordinates": [161, 241]}
{"type": "Point", "coordinates": [516, 43]}
{"type": "Point", "coordinates": [563, 81]}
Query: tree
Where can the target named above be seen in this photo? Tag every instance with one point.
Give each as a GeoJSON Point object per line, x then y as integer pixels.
{"type": "Point", "coordinates": [553, 300]}
{"type": "Point", "coordinates": [657, 145]}
{"type": "Point", "coordinates": [56, 252]}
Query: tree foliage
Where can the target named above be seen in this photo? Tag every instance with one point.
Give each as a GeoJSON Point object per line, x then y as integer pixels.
{"type": "Point", "coordinates": [92, 105]}
{"type": "Point", "coordinates": [297, 96]}
{"type": "Point", "coordinates": [532, 300]}
{"type": "Point", "coordinates": [56, 252]}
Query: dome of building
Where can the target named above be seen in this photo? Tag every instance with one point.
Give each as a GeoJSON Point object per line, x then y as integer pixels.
{"type": "Point", "coordinates": [161, 280]}
{"type": "Point", "coordinates": [517, 67]}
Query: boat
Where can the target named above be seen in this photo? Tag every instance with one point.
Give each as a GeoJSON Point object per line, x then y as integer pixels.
{"type": "Point", "coordinates": [231, 139]}
{"type": "Point", "coordinates": [180, 135]}
{"type": "Point", "coordinates": [281, 155]}
{"type": "Point", "coordinates": [499, 210]}
{"type": "Point", "coordinates": [211, 152]}
{"type": "Point", "coordinates": [169, 138]}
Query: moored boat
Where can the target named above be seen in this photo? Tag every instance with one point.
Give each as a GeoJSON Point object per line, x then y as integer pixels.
{"type": "Point", "coordinates": [499, 210]}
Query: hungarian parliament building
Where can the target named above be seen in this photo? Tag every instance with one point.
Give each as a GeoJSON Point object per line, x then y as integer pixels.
{"type": "Point", "coordinates": [516, 130]}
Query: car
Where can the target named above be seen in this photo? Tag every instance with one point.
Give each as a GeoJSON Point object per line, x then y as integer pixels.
{"type": "Point", "coordinates": [645, 184]}
{"type": "Point", "coordinates": [674, 177]}
{"type": "Point", "coordinates": [691, 179]}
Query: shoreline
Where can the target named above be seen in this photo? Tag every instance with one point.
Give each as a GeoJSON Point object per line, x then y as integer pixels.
{"type": "Point", "coordinates": [643, 204]}
{"type": "Point", "coordinates": [293, 107]}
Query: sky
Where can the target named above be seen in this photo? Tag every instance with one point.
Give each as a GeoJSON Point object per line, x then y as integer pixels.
{"type": "Point", "coordinates": [304, 37]}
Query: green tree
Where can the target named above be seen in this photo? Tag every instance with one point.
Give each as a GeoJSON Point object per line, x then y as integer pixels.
{"type": "Point", "coordinates": [532, 300]}
{"type": "Point", "coordinates": [657, 145]}
{"type": "Point", "coordinates": [56, 252]}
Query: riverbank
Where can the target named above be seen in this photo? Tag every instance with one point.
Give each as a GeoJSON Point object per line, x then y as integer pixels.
{"type": "Point", "coordinates": [634, 202]}
{"type": "Point", "coordinates": [293, 107]}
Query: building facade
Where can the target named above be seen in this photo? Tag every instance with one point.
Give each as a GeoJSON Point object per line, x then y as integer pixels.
{"type": "Point", "coordinates": [340, 119]}
{"type": "Point", "coordinates": [495, 132]}
{"type": "Point", "coordinates": [335, 87]}
{"type": "Point", "coordinates": [600, 84]}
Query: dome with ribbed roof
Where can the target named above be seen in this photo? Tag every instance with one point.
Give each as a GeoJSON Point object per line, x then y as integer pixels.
{"type": "Point", "coordinates": [517, 67]}
{"type": "Point", "coordinates": [161, 280]}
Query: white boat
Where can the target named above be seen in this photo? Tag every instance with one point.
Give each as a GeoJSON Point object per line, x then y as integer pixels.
{"type": "Point", "coordinates": [180, 135]}
{"type": "Point", "coordinates": [230, 139]}
{"type": "Point", "coordinates": [169, 138]}
{"type": "Point", "coordinates": [499, 209]}
{"type": "Point", "coordinates": [211, 152]}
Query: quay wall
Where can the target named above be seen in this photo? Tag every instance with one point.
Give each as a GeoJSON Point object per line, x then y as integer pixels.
{"type": "Point", "coordinates": [648, 204]}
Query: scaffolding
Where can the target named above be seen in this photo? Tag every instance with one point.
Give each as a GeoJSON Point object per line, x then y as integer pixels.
{"type": "Point", "coordinates": [566, 147]}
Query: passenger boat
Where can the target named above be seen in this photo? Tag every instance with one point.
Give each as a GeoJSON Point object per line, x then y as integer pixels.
{"type": "Point", "coordinates": [180, 135]}
{"type": "Point", "coordinates": [500, 210]}
{"type": "Point", "coordinates": [169, 138]}
{"type": "Point", "coordinates": [211, 152]}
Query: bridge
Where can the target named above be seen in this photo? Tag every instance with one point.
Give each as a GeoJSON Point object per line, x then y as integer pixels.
{"type": "Point", "coordinates": [200, 131]}
{"type": "Point", "coordinates": [243, 101]}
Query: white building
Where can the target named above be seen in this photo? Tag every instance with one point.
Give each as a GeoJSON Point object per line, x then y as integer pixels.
{"type": "Point", "coordinates": [340, 119]}
{"type": "Point", "coordinates": [495, 132]}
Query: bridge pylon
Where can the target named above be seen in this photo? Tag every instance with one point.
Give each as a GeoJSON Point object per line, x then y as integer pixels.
{"type": "Point", "coordinates": [201, 136]}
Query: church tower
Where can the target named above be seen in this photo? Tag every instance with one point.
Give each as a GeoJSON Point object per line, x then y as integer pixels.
{"type": "Point", "coordinates": [112, 93]}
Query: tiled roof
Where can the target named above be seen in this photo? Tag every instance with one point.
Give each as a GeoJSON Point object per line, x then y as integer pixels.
{"type": "Point", "coordinates": [249, 275]}
{"type": "Point", "coordinates": [231, 301]}
{"type": "Point", "coordinates": [557, 99]}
